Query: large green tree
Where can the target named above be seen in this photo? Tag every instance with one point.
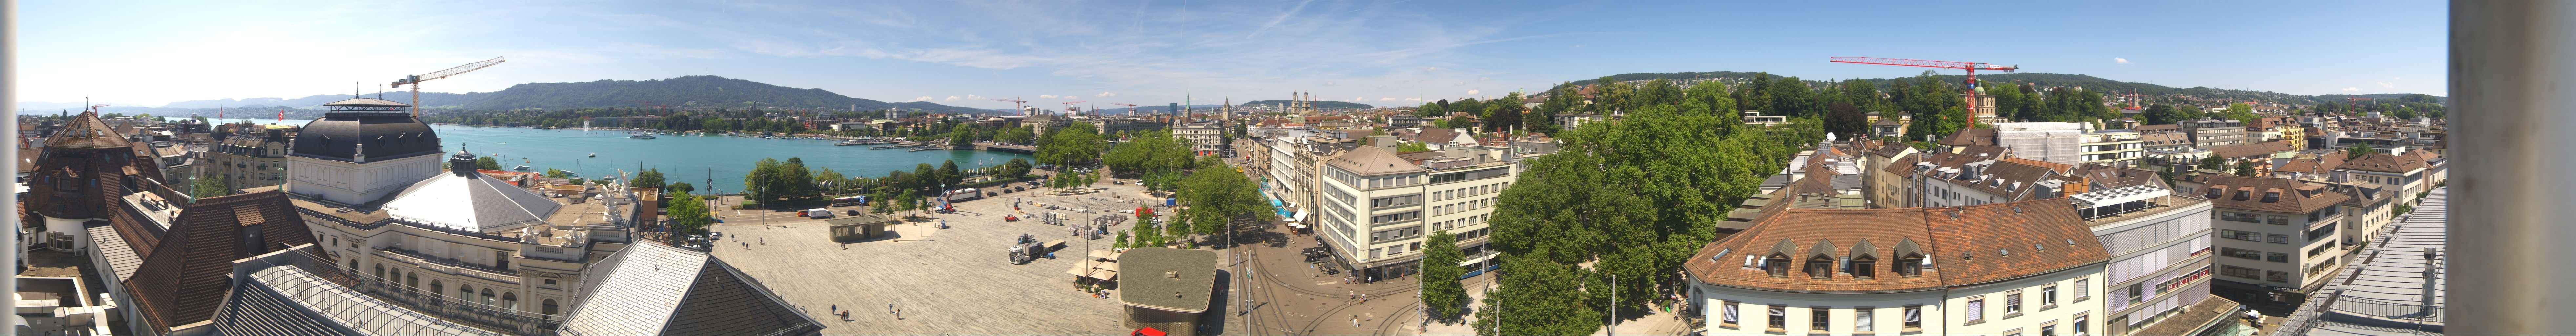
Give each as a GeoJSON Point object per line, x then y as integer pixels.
{"type": "Point", "coordinates": [1074, 144]}
{"type": "Point", "coordinates": [1440, 288]}
{"type": "Point", "coordinates": [1217, 195]}
{"type": "Point", "coordinates": [1538, 297]}
{"type": "Point", "coordinates": [487, 163]}
{"type": "Point", "coordinates": [649, 178]}
{"type": "Point", "coordinates": [689, 214]}
{"type": "Point", "coordinates": [208, 186]}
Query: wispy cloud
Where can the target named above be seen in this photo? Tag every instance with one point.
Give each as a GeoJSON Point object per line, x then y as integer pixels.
{"type": "Point", "coordinates": [1474, 91]}
{"type": "Point", "coordinates": [922, 98]}
{"type": "Point", "coordinates": [2350, 89]}
{"type": "Point", "coordinates": [950, 99]}
{"type": "Point", "coordinates": [1105, 94]}
{"type": "Point", "coordinates": [1047, 96]}
{"type": "Point", "coordinates": [2120, 60]}
{"type": "Point", "coordinates": [2387, 85]}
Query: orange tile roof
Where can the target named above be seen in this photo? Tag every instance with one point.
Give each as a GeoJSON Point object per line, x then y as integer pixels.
{"type": "Point", "coordinates": [1967, 245]}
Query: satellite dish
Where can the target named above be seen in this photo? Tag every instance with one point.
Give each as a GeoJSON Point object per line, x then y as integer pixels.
{"type": "Point", "coordinates": [1829, 137]}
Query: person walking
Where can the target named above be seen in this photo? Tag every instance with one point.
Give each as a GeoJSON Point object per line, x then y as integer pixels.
{"type": "Point", "coordinates": [889, 308]}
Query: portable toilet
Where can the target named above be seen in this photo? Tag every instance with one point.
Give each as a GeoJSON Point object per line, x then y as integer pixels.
{"type": "Point", "coordinates": [1170, 201]}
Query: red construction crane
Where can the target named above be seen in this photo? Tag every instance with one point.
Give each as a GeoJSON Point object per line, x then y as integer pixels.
{"type": "Point", "coordinates": [1131, 108]}
{"type": "Point", "coordinates": [1016, 103]}
{"type": "Point", "coordinates": [1068, 106]}
{"type": "Point", "coordinates": [1972, 68]}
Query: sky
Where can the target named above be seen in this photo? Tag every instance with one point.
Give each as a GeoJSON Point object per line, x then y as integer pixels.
{"type": "Point", "coordinates": [1386, 53]}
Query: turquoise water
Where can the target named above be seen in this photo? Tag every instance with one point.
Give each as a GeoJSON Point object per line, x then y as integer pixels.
{"type": "Point", "coordinates": [689, 159]}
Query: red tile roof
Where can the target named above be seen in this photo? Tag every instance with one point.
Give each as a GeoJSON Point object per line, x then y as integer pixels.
{"type": "Point", "coordinates": [2248, 193]}
{"type": "Point", "coordinates": [2383, 162]}
{"type": "Point", "coordinates": [185, 277]}
{"type": "Point", "coordinates": [1967, 245]}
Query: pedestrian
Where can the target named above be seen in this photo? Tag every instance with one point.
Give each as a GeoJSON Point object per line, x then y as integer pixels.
{"type": "Point", "coordinates": [1355, 320]}
{"type": "Point", "coordinates": [889, 308]}
{"type": "Point", "coordinates": [1352, 294]}
{"type": "Point", "coordinates": [764, 241]}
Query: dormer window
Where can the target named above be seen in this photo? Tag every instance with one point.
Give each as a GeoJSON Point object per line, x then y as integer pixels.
{"type": "Point", "coordinates": [2271, 196]}
{"type": "Point", "coordinates": [1910, 265]}
{"type": "Point", "coordinates": [1777, 265]}
{"type": "Point", "coordinates": [1864, 266]}
{"type": "Point", "coordinates": [2213, 192]}
{"type": "Point", "coordinates": [2243, 194]}
{"type": "Point", "coordinates": [1820, 266]}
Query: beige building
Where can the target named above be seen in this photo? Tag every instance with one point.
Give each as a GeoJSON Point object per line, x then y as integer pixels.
{"type": "Point", "coordinates": [251, 156]}
{"type": "Point", "coordinates": [2121, 148]}
{"type": "Point", "coordinates": [1376, 208]}
{"type": "Point", "coordinates": [2279, 238]}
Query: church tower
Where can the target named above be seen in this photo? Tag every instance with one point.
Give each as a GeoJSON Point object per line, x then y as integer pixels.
{"type": "Point", "coordinates": [361, 151]}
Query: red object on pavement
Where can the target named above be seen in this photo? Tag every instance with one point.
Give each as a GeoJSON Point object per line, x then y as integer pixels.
{"type": "Point", "coordinates": [1147, 332]}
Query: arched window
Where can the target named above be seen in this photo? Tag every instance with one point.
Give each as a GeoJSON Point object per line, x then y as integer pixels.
{"type": "Point", "coordinates": [435, 287]}
{"type": "Point", "coordinates": [465, 292]}
{"type": "Point", "coordinates": [1776, 264]}
{"type": "Point", "coordinates": [412, 280]}
{"type": "Point", "coordinates": [547, 307]}
{"type": "Point", "coordinates": [487, 296]}
{"type": "Point", "coordinates": [380, 270]}
{"type": "Point", "coordinates": [1820, 266]}
{"type": "Point", "coordinates": [353, 264]}
{"type": "Point", "coordinates": [510, 301]}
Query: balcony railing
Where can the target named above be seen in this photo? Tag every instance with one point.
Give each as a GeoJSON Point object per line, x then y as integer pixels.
{"type": "Point", "coordinates": [445, 261]}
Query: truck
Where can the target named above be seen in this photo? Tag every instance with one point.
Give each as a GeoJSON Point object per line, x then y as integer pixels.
{"type": "Point", "coordinates": [1027, 249]}
{"type": "Point", "coordinates": [964, 194]}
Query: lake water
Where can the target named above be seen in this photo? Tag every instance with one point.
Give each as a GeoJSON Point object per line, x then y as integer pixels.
{"type": "Point", "coordinates": [692, 159]}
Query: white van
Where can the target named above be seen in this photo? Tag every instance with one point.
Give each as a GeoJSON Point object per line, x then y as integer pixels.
{"type": "Point", "coordinates": [818, 213]}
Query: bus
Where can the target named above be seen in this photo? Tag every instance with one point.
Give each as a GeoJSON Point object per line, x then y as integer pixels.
{"type": "Point", "coordinates": [849, 201]}
{"type": "Point", "coordinates": [965, 194]}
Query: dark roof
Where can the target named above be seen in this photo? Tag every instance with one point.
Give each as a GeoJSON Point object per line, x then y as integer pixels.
{"type": "Point", "coordinates": [2296, 196]}
{"type": "Point", "coordinates": [2106, 176]}
{"type": "Point", "coordinates": [388, 135]}
{"type": "Point", "coordinates": [2265, 149]}
{"type": "Point", "coordinates": [1902, 165]}
{"type": "Point", "coordinates": [94, 170]}
{"type": "Point", "coordinates": [1972, 136]}
{"type": "Point", "coordinates": [1963, 243]}
{"type": "Point", "coordinates": [2319, 165]}
{"type": "Point", "coordinates": [1191, 279]}
{"type": "Point", "coordinates": [1985, 151]}
{"type": "Point", "coordinates": [655, 289]}
{"type": "Point", "coordinates": [185, 278]}
{"type": "Point", "coordinates": [724, 301]}
{"type": "Point", "coordinates": [2158, 128]}
{"type": "Point", "coordinates": [366, 102]}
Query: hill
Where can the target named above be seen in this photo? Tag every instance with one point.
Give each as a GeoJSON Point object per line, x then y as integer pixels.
{"type": "Point", "coordinates": [2089, 83]}
{"type": "Point", "coordinates": [709, 91]}
{"type": "Point", "coordinates": [1323, 104]}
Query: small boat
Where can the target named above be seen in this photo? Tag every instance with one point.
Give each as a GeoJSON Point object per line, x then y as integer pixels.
{"type": "Point", "coordinates": [640, 136]}
{"type": "Point", "coordinates": [570, 173]}
{"type": "Point", "coordinates": [594, 154]}
{"type": "Point", "coordinates": [521, 167]}
{"type": "Point", "coordinates": [609, 178]}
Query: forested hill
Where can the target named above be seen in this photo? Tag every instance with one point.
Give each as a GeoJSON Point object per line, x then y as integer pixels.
{"type": "Point", "coordinates": [2089, 83]}
{"type": "Point", "coordinates": [688, 91]}
{"type": "Point", "coordinates": [1322, 104]}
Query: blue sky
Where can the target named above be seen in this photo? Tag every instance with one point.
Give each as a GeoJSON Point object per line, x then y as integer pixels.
{"type": "Point", "coordinates": [1375, 52]}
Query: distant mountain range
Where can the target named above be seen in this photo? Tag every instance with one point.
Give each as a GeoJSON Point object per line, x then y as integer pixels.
{"type": "Point", "coordinates": [2089, 83]}
{"type": "Point", "coordinates": [1322, 104]}
{"type": "Point", "coordinates": [687, 91]}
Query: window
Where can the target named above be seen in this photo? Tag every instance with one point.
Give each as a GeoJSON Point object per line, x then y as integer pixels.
{"type": "Point", "coordinates": [1976, 310]}
{"type": "Point", "coordinates": [2240, 272]}
{"type": "Point", "coordinates": [2240, 235]}
{"type": "Point", "coordinates": [487, 296]}
{"type": "Point", "coordinates": [1726, 313]}
{"type": "Point", "coordinates": [2277, 257]}
{"type": "Point", "coordinates": [2080, 320]}
{"type": "Point", "coordinates": [2276, 238]}
{"type": "Point", "coordinates": [2136, 291]}
{"type": "Point", "coordinates": [1910, 265]}
{"type": "Point", "coordinates": [2048, 330]}
{"type": "Point", "coordinates": [2082, 291]}
{"type": "Point", "coordinates": [548, 307]}
{"type": "Point", "coordinates": [2241, 253]}
{"type": "Point", "coordinates": [2276, 276]}
{"type": "Point", "coordinates": [550, 281]}
{"type": "Point", "coordinates": [2048, 297]}
{"type": "Point", "coordinates": [2276, 219]}
{"type": "Point", "coordinates": [1779, 317]}
{"type": "Point", "coordinates": [2240, 217]}
{"type": "Point", "coordinates": [1777, 265]}
{"type": "Point", "coordinates": [2012, 305]}
{"type": "Point", "coordinates": [1820, 267]}
{"type": "Point", "coordinates": [1865, 267]}
{"type": "Point", "coordinates": [1864, 319]}
{"type": "Point", "coordinates": [436, 287]}
{"type": "Point", "coordinates": [1820, 319]}
{"type": "Point", "coordinates": [1914, 317]}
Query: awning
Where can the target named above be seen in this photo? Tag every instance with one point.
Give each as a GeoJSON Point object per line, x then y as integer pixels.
{"type": "Point", "coordinates": [1301, 216]}
{"type": "Point", "coordinates": [1296, 225]}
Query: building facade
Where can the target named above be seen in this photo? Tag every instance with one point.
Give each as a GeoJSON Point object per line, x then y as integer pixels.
{"type": "Point", "coordinates": [250, 156]}
{"type": "Point", "coordinates": [1377, 208]}
{"type": "Point", "coordinates": [2207, 133]}
{"type": "Point", "coordinates": [2278, 238]}
{"type": "Point", "coordinates": [2119, 148]}
{"type": "Point", "coordinates": [1890, 272]}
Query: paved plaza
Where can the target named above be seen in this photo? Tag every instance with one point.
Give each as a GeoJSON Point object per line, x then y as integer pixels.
{"type": "Point", "coordinates": [955, 280]}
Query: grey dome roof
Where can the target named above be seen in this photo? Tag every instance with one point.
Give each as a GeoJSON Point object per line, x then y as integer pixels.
{"type": "Point", "coordinates": [387, 135]}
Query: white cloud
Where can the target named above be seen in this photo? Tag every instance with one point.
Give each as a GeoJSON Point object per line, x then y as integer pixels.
{"type": "Point", "coordinates": [1047, 96]}
{"type": "Point", "coordinates": [1413, 99]}
{"type": "Point", "coordinates": [2387, 85]}
{"type": "Point", "coordinates": [1105, 94]}
{"type": "Point", "coordinates": [922, 98]}
{"type": "Point", "coordinates": [2119, 60]}
{"type": "Point", "coordinates": [1474, 91]}
{"type": "Point", "coordinates": [1069, 97]}
{"type": "Point", "coordinates": [2352, 89]}
{"type": "Point", "coordinates": [974, 97]}
{"type": "Point", "coordinates": [952, 98]}
{"type": "Point", "coordinates": [1358, 99]}
{"type": "Point", "coordinates": [1386, 99]}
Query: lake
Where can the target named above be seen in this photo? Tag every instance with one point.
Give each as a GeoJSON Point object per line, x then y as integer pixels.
{"type": "Point", "coordinates": [692, 159]}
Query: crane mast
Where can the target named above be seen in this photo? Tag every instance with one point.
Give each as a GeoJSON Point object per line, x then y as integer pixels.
{"type": "Point", "coordinates": [415, 80]}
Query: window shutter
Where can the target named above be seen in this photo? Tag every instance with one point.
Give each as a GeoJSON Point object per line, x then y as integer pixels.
{"type": "Point", "coordinates": [2013, 301]}
{"type": "Point", "coordinates": [1914, 314]}
{"type": "Point", "coordinates": [1729, 312]}
{"type": "Point", "coordinates": [1862, 319]}
{"type": "Point", "coordinates": [1976, 310]}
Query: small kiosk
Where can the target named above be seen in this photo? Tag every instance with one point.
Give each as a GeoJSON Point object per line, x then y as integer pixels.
{"type": "Point", "coordinates": [857, 228]}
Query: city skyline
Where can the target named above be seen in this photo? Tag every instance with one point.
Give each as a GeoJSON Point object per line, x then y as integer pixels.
{"type": "Point", "coordinates": [1381, 53]}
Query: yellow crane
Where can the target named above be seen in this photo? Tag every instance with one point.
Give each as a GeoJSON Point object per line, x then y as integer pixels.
{"type": "Point", "coordinates": [415, 80]}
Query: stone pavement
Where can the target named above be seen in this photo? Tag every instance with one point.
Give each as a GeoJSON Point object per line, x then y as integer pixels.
{"type": "Point", "coordinates": [1293, 297]}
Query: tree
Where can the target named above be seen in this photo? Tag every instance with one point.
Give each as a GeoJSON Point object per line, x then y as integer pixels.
{"type": "Point", "coordinates": [2213, 163]}
{"type": "Point", "coordinates": [2241, 112]}
{"type": "Point", "coordinates": [949, 175]}
{"type": "Point", "coordinates": [1409, 147]}
{"type": "Point", "coordinates": [1440, 288]}
{"type": "Point", "coordinates": [681, 187]}
{"type": "Point", "coordinates": [1504, 114]}
{"type": "Point", "coordinates": [2161, 114]}
{"type": "Point", "coordinates": [2357, 151]}
{"type": "Point", "coordinates": [689, 214]}
{"type": "Point", "coordinates": [963, 134]}
{"type": "Point", "coordinates": [208, 186]}
{"type": "Point", "coordinates": [1012, 171]}
{"type": "Point", "coordinates": [2245, 168]}
{"type": "Point", "coordinates": [1845, 121]}
{"type": "Point", "coordinates": [1545, 298]}
{"type": "Point", "coordinates": [1217, 195]}
{"type": "Point", "coordinates": [1015, 135]}
{"type": "Point", "coordinates": [557, 173]}
{"type": "Point", "coordinates": [649, 178]}
{"type": "Point", "coordinates": [1075, 144]}
{"type": "Point", "coordinates": [831, 183]}
{"type": "Point", "coordinates": [487, 163]}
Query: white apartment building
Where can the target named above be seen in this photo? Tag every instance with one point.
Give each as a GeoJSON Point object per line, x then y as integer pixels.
{"type": "Point", "coordinates": [2059, 142]}
{"type": "Point", "coordinates": [2278, 237]}
{"type": "Point", "coordinates": [1376, 207]}
{"type": "Point", "coordinates": [1898, 272]}
{"type": "Point", "coordinates": [2159, 244]}
{"type": "Point", "coordinates": [2121, 148]}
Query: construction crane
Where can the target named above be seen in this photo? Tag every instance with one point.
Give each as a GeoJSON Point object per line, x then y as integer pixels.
{"type": "Point", "coordinates": [1131, 108]}
{"type": "Point", "coordinates": [415, 80]}
{"type": "Point", "coordinates": [1016, 103]}
{"type": "Point", "coordinates": [1068, 106]}
{"type": "Point", "coordinates": [1972, 68]}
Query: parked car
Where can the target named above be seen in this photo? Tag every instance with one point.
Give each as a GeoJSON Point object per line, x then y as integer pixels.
{"type": "Point", "coordinates": [988, 193]}
{"type": "Point", "coordinates": [1118, 182]}
{"type": "Point", "coordinates": [818, 213]}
